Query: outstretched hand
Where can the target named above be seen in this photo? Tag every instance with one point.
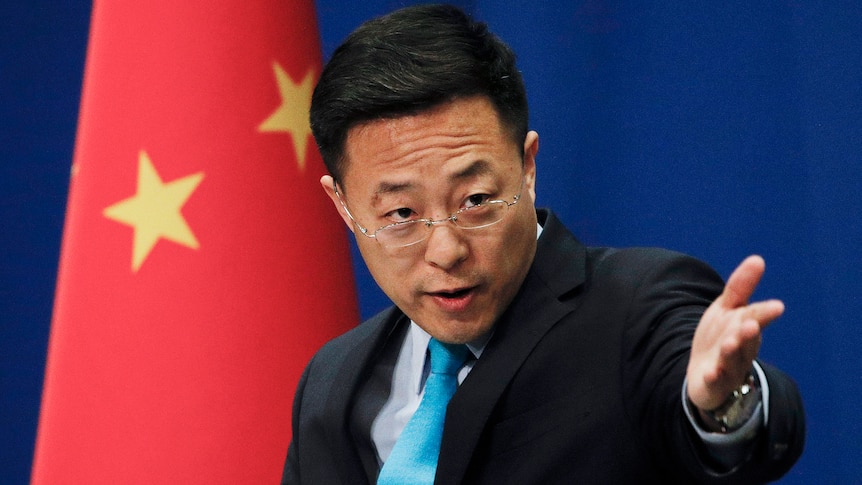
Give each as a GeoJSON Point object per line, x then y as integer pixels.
{"type": "Point", "coordinates": [728, 337]}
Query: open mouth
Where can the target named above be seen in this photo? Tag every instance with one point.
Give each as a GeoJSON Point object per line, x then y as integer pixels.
{"type": "Point", "coordinates": [453, 294]}
{"type": "Point", "coordinates": [454, 301]}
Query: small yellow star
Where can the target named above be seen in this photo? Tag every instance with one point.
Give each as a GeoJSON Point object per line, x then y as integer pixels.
{"type": "Point", "coordinates": [154, 211]}
{"type": "Point", "coordinates": [292, 115]}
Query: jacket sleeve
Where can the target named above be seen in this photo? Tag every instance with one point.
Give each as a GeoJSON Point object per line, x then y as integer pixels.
{"type": "Point", "coordinates": [671, 293]}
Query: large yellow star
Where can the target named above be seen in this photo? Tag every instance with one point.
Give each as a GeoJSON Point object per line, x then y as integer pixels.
{"type": "Point", "coordinates": [154, 211]}
{"type": "Point", "coordinates": [292, 115]}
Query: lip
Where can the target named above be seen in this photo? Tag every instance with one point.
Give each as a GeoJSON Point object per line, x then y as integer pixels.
{"type": "Point", "coordinates": [453, 300]}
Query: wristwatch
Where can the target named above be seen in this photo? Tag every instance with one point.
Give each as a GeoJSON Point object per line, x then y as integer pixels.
{"type": "Point", "coordinates": [739, 406]}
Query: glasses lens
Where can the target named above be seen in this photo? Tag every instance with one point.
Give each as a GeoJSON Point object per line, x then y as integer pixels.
{"type": "Point", "coordinates": [402, 234]}
{"type": "Point", "coordinates": [481, 215]}
{"type": "Point", "coordinates": [411, 232]}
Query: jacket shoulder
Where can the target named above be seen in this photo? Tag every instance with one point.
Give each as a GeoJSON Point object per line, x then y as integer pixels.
{"type": "Point", "coordinates": [363, 336]}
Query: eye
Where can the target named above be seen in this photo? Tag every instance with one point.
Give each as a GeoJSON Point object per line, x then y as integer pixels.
{"type": "Point", "coordinates": [400, 215]}
{"type": "Point", "coordinates": [476, 199]}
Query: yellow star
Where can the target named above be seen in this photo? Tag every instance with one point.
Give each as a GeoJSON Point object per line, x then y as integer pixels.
{"type": "Point", "coordinates": [292, 115]}
{"type": "Point", "coordinates": [154, 212]}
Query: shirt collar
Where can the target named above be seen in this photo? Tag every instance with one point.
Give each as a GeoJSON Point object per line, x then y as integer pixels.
{"type": "Point", "coordinates": [419, 340]}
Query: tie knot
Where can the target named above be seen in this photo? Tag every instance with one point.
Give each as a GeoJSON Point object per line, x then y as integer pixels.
{"type": "Point", "coordinates": [447, 358]}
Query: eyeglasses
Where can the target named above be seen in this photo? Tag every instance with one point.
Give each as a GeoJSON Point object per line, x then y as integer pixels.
{"type": "Point", "coordinates": [407, 233]}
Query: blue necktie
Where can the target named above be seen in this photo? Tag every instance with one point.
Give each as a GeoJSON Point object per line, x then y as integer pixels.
{"type": "Point", "coordinates": [414, 457]}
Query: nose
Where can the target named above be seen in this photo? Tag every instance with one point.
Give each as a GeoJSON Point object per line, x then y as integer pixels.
{"type": "Point", "coordinates": [446, 246]}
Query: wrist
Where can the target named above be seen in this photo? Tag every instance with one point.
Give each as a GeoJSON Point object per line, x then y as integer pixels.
{"type": "Point", "coordinates": [736, 410]}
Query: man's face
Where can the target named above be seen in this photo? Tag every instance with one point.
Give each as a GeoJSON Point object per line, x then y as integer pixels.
{"type": "Point", "coordinates": [457, 282]}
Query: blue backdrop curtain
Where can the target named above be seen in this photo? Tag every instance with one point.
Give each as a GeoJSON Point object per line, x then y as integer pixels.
{"type": "Point", "coordinates": [719, 129]}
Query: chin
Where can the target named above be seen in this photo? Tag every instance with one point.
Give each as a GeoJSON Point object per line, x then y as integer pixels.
{"type": "Point", "coordinates": [461, 333]}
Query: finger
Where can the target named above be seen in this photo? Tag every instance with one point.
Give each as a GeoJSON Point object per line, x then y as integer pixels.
{"type": "Point", "coordinates": [765, 312]}
{"type": "Point", "coordinates": [742, 282]}
{"type": "Point", "coordinates": [742, 345]}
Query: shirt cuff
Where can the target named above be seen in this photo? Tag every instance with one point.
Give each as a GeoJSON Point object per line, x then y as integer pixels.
{"type": "Point", "coordinates": [730, 449]}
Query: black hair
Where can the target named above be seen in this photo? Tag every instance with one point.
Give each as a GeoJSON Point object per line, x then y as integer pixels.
{"type": "Point", "coordinates": [407, 62]}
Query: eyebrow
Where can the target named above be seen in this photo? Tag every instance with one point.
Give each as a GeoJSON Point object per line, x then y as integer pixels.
{"type": "Point", "coordinates": [391, 187]}
{"type": "Point", "coordinates": [478, 167]}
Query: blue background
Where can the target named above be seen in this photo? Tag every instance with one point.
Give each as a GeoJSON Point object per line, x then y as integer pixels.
{"type": "Point", "coordinates": [718, 129]}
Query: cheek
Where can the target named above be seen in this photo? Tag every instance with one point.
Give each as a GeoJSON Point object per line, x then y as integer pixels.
{"type": "Point", "coordinates": [374, 261]}
{"type": "Point", "coordinates": [519, 247]}
{"type": "Point", "coordinates": [390, 273]}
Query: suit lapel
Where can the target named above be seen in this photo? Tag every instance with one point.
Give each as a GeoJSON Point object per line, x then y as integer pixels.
{"type": "Point", "coordinates": [558, 269]}
{"type": "Point", "coordinates": [356, 365]}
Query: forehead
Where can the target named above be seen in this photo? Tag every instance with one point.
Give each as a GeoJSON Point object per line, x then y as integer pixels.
{"type": "Point", "coordinates": [440, 142]}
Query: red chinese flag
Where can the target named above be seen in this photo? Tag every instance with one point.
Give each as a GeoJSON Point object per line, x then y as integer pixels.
{"type": "Point", "coordinates": [202, 264]}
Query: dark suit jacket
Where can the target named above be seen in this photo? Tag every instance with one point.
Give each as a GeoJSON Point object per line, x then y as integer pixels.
{"type": "Point", "coordinates": [580, 383]}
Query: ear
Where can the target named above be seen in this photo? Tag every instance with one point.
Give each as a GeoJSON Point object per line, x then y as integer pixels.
{"type": "Point", "coordinates": [531, 148]}
{"type": "Point", "coordinates": [328, 184]}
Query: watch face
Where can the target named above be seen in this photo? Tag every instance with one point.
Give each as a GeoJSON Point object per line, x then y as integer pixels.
{"type": "Point", "coordinates": [739, 407]}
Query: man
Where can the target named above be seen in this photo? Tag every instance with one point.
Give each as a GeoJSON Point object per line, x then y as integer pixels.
{"type": "Point", "coordinates": [585, 365]}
